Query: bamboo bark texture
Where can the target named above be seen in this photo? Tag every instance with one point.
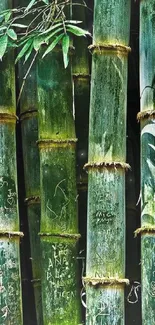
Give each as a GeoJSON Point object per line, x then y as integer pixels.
{"type": "Point", "coordinates": [59, 223]}
{"type": "Point", "coordinates": [10, 284]}
{"type": "Point", "coordinates": [147, 119]}
{"type": "Point", "coordinates": [81, 76]}
{"type": "Point", "coordinates": [29, 127]}
{"type": "Point", "coordinates": [105, 268]}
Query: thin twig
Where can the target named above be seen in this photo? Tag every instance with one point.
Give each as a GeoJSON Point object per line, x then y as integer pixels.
{"type": "Point", "coordinates": [25, 77]}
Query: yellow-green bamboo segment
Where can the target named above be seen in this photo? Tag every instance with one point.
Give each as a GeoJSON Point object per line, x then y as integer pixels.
{"type": "Point", "coordinates": [59, 224]}
{"type": "Point", "coordinates": [105, 268]}
{"type": "Point", "coordinates": [10, 284]}
{"type": "Point", "coordinates": [147, 120]}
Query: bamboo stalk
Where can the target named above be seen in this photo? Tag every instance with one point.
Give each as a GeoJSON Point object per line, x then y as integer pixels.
{"type": "Point", "coordinates": [10, 284]}
{"type": "Point", "coordinates": [59, 224]}
{"type": "Point", "coordinates": [105, 269]}
{"type": "Point", "coordinates": [81, 76]}
{"type": "Point", "coordinates": [146, 117]}
{"type": "Point", "coordinates": [29, 126]}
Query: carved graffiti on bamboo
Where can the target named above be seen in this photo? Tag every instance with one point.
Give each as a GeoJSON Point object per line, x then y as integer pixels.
{"type": "Point", "coordinates": [9, 289]}
{"type": "Point", "coordinates": [8, 196]}
{"type": "Point", "coordinates": [62, 215]}
{"type": "Point", "coordinates": [59, 276]}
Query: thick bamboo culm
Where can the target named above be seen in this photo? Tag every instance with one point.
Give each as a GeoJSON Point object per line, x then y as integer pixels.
{"type": "Point", "coordinates": [147, 120]}
{"type": "Point", "coordinates": [59, 223]}
{"type": "Point", "coordinates": [105, 268]}
{"type": "Point", "coordinates": [29, 127]}
{"type": "Point", "coordinates": [10, 284]}
{"type": "Point", "coordinates": [81, 76]}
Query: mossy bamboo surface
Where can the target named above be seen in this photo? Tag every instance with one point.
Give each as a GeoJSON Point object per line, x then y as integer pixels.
{"type": "Point", "coordinates": [105, 269]}
{"type": "Point", "coordinates": [10, 284]}
{"type": "Point", "coordinates": [81, 75]}
{"type": "Point", "coordinates": [59, 224]}
{"type": "Point", "coordinates": [147, 118]}
{"type": "Point", "coordinates": [29, 126]}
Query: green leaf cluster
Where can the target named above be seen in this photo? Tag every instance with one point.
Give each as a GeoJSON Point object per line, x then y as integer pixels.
{"type": "Point", "coordinates": [48, 29]}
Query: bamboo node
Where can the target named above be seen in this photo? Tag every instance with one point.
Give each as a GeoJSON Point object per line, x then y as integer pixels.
{"type": "Point", "coordinates": [28, 114]}
{"type": "Point", "coordinates": [99, 281]}
{"type": "Point", "coordinates": [36, 281]}
{"type": "Point", "coordinates": [81, 76]}
{"type": "Point", "coordinates": [106, 164]}
{"type": "Point", "coordinates": [63, 235]}
{"type": "Point", "coordinates": [102, 47]}
{"type": "Point", "coordinates": [54, 143]}
{"type": "Point", "coordinates": [144, 230]}
{"type": "Point", "coordinates": [148, 114]}
{"type": "Point", "coordinates": [32, 200]}
{"type": "Point", "coordinates": [10, 234]}
{"type": "Point", "coordinates": [8, 118]}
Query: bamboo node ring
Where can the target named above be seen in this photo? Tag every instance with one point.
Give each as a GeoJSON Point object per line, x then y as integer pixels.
{"type": "Point", "coordinates": [144, 230]}
{"type": "Point", "coordinates": [8, 118]}
{"type": "Point", "coordinates": [81, 76]}
{"type": "Point", "coordinates": [63, 235]}
{"type": "Point", "coordinates": [32, 200]}
{"type": "Point", "coordinates": [107, 164]}
{"type": "Point", "coordinates": [10, 234]}
{"type": "Point", "coordinates": [53, 143]}
{"type": "Point", "coordinates": [102, 47]}
{"type": "Point", "coordinates": [28, 114]}
{"type": "Point", "coordinates": [148, 114]}
{"type": "Point", "coordinates": [36, 281]}
{"type": "Point", "coordinates": [98, 281]}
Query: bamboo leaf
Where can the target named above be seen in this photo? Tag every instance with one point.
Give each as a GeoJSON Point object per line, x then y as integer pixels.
{"type": "Point", "coordinates": [38, 41]}
{"type": "Point", "coordinates": [7, 16]}
{"type": "Point", "coordinates": [53, 44]}
{"type": "Point", "coordinates": [77, 30]}
{"type": "Point", "coordinates": [46, 1]}
{"type": "Point", "coordinates": [30, 5]}
{"type": "Point", "coordinates": [3, 45]}
{"type": "Point", "coordinates": [12, 34]}
{"type": "Point", "coordinates": [19, 25]}
{"type": "Point", "coordinates": [65, 49]}
{"type": "Point", "coordinates": [54, 33]}
{"type": "Point", "coordinates": [29, 52]}
{"type": "Point", "coordinates": [73, 21]}
{"type": "Point", "coordinates": [24, 50]}
{"type": "Point", "coordinates": [51, 28]}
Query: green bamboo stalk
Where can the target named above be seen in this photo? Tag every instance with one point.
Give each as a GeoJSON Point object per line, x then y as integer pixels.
{"type": "Point", "coordinates": [29, 126]}
{"type": "Point", "coordinates": [59, 224]}
{"type": "Point", "coordinates": [105, 269]}
{"type": "Point", "coordinates": [81, 76]}
{"type": "Point", "coordinates": [147, 118]}
{"type": "Point", "coordinates": [10, 284]}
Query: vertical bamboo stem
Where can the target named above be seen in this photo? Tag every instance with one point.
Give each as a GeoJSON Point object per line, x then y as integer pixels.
{"type": "Point", "coordinates": [147, 118]}
{"type": "Point", "coordinates": [29, 126]}
{"type": "Point", "coordinates": [10, 284]}
{"type": "Point", "coordinates": [59, 226]}
{"type": "Point", "coordinates": [105, 269]}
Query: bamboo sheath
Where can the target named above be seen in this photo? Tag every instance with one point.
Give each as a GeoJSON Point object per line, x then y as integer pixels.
{"type": "Point", "coordinates": [105, 269]}
{"type": "Point", "coordinates": [59, 224]}
{"type": "Point", "coordinates": [10, 286]}
{"type": "Point", "coordinates": [147, 119]}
